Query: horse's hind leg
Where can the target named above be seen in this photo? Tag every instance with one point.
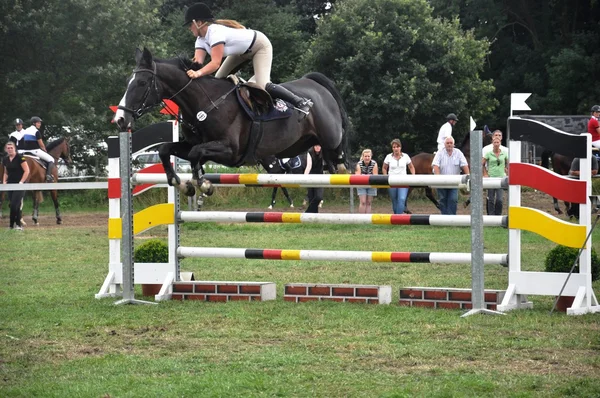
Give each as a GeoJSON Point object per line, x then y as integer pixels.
{"type": "Point", "coordinates": [287, 196]}
{"type": "Point", "coordinates": [556, 206]}
{"type": "Point", "coordinates": [273, 194]}
{"type": "Point", "coordinates": [431, 196]}
{"type": "Point", "coordinates": [406, 211]}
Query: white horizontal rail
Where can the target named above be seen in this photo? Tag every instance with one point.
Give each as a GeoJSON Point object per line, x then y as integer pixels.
{"type": "Point", "coordinates": [54, 186]}
{"type": "Point", "coordinates": [337, 255]}
{"type": "Point", "coordinates": [338, 218]}
{"type": "Point", "coordinates": [327, 181]}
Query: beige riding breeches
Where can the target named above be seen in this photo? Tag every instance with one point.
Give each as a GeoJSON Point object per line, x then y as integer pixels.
{"type": "Point", "coordinates": [261, 54]}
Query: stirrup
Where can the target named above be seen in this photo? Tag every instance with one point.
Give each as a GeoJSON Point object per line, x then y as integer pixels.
{"type": "Point", "coordinates": [49, 178]}
{"type": "Point", "coordinates": [304, 106]}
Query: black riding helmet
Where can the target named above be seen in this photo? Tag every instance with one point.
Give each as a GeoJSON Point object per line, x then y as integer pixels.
{"type": "Point", "coordinates": [596, 108]}
{"type": "Point", "coordinates": [198, 12]}
{"type": "Point", "coordinates": [451, 116]}
{"type": "Point", "coordinates": [35, 119]}
{"type": "Point", "coordinates": [18, 121]}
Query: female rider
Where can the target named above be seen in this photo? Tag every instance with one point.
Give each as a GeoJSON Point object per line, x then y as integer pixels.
{"type": "Point", "coordinates": [224, 38]}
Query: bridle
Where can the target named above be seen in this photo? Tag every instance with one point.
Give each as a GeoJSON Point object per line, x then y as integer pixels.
{"type": "Point", "coordinates": [143, 108]}
{"type": "Point", "coordinates": [153, 85]}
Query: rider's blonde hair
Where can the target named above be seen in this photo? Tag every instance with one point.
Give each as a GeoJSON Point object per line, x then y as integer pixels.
{"type": "Point", "coordinates": [230, 23]}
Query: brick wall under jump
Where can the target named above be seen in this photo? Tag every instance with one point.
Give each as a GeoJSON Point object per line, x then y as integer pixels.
{"type": "Point", "coordinates": [223, 291]}
{"type": "Point", "coordinates": [371, 294]}
{"type": "Point", "coordinates": [449, 298]}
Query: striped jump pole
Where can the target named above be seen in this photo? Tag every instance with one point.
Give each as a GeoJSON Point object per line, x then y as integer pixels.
{"type": "Point", "coordinates": [328, 181]}
{"type": "Point", "coordinates": [335, 218]}
{"type": "Point", "coordinates": [337, 255]}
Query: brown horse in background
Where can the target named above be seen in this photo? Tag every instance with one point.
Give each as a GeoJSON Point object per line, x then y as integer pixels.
{"type": "Point", "coordinates": [422, 163]}
{"type": "Point", "coordinates": [58, 149]}
{"type": "Point", "coordinates": [561, 165]}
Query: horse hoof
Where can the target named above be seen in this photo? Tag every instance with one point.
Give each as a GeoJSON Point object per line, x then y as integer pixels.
{"type": "Point", "coordinates": [58, 221]}
{"type": "Point", "coordinates": [341, 169]}
{"type": "Point", "coordinates": [270, 207]}
{"type": "Point", "coordinates": [207, 188]}
{"type": "Point", "coordinates": [189, 189]}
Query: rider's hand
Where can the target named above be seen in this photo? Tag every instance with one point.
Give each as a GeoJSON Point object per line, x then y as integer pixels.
{"type": "Point", "coordinates": [194, 74]}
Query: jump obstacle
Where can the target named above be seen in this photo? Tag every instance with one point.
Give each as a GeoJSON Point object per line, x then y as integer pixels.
{"type": "Point", "coordinates": [520, 283]}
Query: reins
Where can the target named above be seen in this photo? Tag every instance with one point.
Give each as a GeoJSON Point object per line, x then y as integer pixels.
{"type": "Point", "coordinates": [153, 84]}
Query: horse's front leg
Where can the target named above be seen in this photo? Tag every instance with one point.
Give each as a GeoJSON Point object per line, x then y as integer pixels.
{"type": "Point", "coordinates": [217, 151]}
{"type": "Point", "coordinates": [54, 195]}
{"type": "Point", "coordinates": [181, 150]}
{"type": "Point", "coordinates": [35, 204]}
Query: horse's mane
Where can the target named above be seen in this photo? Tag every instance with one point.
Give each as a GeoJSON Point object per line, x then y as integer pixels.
{"type": "Point", "coordinates": [180, 62]}
{"type": "Point", "coordinates": [54, 144]}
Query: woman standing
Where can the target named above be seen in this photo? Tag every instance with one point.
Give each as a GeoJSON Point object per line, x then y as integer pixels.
{"type": "Point", "coordinates": [495, 164]}
{"type": "Point", "coordinates": [366, 166]}
{"type": "Point", "coordinates": [230, 45]}
{"type": "Point", "coordinates": [396, 163]}
{"type": "Point", "coordinates": [15, 171]}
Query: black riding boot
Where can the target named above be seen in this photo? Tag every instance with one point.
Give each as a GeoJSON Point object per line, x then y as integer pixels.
{"type": "Point", "coordinates": [49, 168]}
{"type": "Point", "coordinates": [277, 91]}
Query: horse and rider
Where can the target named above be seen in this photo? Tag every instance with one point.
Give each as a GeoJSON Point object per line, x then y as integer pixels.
{"type": "Point", "coordinates": [232, 123]}
{"type": "Point", "coordinates": [30, 140]}
{"type": "Point", "coordinates": [41, 160]}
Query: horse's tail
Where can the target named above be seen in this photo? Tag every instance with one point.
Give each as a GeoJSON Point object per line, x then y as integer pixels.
{"type": "Point", "coordinates": [546, 155]}
{"type": "Point", "coordinates": [346, 126]}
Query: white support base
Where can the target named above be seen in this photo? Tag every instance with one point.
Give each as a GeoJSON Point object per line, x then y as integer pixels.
{"type": "Point", "coordinates": [109, 288]}
{"type": "Point", "coordinates": [167, 288]}
{"type": "Point", "coordinates": [580, 307]}
{"type": "Point", "coordinates": [514, 301]}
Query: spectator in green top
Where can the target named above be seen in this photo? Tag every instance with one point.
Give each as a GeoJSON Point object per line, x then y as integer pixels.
{"type": "Point", "coordinates": [495, 164]}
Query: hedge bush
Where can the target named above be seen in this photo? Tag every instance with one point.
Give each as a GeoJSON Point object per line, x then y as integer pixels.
{"type": "Point", "coordinates": [561, 258]}
{"type": "Point", "coordinates": [152, 251]}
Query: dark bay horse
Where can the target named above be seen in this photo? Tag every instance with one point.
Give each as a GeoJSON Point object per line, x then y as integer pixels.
{"type": "Point", "coordinates": [216, 128]}
{"type": "Point", "coordinates": [274, 165]}
{"type": "Point", "coordinates": [561, 164]}
{"type": "Point", "coordinates": [422, 163]}
{"type": "Point", "coordinates": [58, 149]}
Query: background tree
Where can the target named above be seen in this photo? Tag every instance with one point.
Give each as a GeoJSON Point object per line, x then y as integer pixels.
{"type": "Point", "coordinates": [401, 71]}
{"type": "Point", "coordinates": [548, 48]}
{"type": "Point", "coordinates": [65, 60]}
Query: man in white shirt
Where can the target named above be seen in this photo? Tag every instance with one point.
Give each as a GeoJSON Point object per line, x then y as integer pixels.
{"type": "Point", "coordinates": [449, 161]}
{"type": "Point", "coordinates": [446, 130]}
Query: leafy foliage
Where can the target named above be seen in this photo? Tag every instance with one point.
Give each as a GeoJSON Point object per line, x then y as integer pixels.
{"type": "Point", "coordinates": [548, 48]}
{"type": "Point", "coordinates": [400, 71]}
{"type": "Point", "coordinates": [152, 251]}
{"type": "Point", "coordinates": [561, 259]}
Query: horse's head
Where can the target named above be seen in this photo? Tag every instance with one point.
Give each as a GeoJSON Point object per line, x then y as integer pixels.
{"type": "Point", "coordinates": [65, 154]}
{"type": "Point", "coordinates": [60, 149]}
{"type": "Point", "coordinates": [142, 92]}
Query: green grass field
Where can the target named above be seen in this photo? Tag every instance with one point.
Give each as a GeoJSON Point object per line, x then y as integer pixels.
{"type": "Point", "coordinates": [57, 340]}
